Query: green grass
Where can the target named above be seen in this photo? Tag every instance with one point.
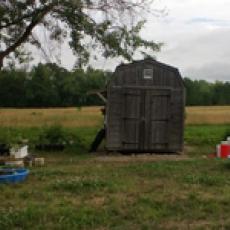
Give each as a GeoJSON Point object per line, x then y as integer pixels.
{"type": "Point", "coordinates": [88, 194]}
{"type": "Point", "coordinates": [85, 135]}
{"type": "Point", "coordinates": [200, 139]}
{"type": "Point", "coordinates": [79, 191]}
{"type": "Point", "coordinates": [205, 134]}
{"type": "Point", "coordinates": [81, 185]}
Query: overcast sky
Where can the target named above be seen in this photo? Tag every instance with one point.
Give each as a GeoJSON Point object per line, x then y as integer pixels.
{"type": "Point", "coordinates": [196, 34]}
{"type": "Point", "coordinates": [197, 37]}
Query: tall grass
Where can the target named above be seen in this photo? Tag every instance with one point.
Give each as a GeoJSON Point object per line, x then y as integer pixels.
{"type": "Point", "coordinates": [91, 116]}
{"type": "Point", "coordinates": [208, 115]}
{"type": "Point", "coordinates": [67, 117]}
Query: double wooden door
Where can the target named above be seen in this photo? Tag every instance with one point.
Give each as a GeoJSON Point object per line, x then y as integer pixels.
{"type": "Point", "coordinates": [146, 119]}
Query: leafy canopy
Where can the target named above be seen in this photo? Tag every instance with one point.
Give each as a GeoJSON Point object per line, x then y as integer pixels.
{"type": "Point", "coordinates": [109, 28]}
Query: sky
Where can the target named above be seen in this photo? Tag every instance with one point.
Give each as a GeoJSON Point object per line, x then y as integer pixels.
{"type": "Point", "coordinates": [196, 37]}
{"type": "Point", "coordinates": [196, 34]}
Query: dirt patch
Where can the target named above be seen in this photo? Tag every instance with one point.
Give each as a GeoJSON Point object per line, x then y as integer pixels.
{"type": "Point", "coordinates": [199, 224]}
{"type": "Point", "coordinates": [139, 158]}
{"type": "Point", "coordinates": [97, 201]}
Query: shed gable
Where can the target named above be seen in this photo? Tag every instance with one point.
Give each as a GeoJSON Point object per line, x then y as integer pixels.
{"type": "Point", "coordinates": [147, 73]}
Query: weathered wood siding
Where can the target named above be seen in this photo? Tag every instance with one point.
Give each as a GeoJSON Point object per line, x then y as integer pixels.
{"type": "Point", "coordinates": [145, 110]}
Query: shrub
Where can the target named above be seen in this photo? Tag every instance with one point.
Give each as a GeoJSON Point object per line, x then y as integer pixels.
{"type": "Point", "coordinates": [52, 135]}
{"type": "Point", "coordinates": [5, 138]}
{"type": "Point", "coordinates": [57, 138]}
{"type": "Point", "coordinates": [227, 133]}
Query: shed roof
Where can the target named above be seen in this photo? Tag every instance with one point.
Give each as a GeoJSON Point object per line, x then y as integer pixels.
{"type": "Point", "coordinates": [150, 61]}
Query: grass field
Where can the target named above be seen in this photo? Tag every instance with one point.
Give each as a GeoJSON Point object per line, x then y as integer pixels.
{"type": "Point", "coordinates": [91, 116]}
{"type": "Point", "coordinates": [80, 191]}
{"type": "Point", "coordinates": [74, 192]}
{"type": "Point", "coordinates": [67, 117]}
{"type": "Point", "coordinates": [208, 115]}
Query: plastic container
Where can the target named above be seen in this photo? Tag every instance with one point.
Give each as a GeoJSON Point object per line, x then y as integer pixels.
{"type": "Point", "coordinates": [218, 151]}
{"type": "Point", "coordinates": [224, 151]}
{"type": "Point", "coordinates": [13, 175]}
{"type": "Point", "coordinates": [19, 153]}
{"type": "Point", "coordinates": [224, 142]}
{"type": "Point", "coordinates": [39, 162]}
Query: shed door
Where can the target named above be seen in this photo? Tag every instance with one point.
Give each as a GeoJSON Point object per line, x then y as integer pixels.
{"type": "Point", "coordinates": [131, 119]}
{"type": "Point", "coordinates": [158, 114]}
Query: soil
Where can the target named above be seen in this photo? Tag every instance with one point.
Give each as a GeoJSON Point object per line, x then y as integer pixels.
{"type": "Point", "coordinates": [116, 157]}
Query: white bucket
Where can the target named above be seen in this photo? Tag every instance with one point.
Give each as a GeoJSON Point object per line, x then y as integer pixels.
{"type": "Point", "coordinates": [19, 153]}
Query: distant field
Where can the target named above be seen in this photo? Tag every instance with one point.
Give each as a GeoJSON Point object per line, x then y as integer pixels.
{"type": "Point", "coordinates": [208, 115]}
{"type": "Point", "coordinates": [91, 116]}
{"type": "Point", "coordinates": [68, 117]}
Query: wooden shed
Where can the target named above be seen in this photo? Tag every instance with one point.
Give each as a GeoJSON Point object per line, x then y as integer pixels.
{"type": "Point", "coordinates": [145, 108]}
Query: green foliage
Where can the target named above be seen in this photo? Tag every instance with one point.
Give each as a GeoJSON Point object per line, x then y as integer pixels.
{"type": "Point", "coordinates": [226, 134]}
{"type": "Point", "coordinates": [200, 92]}
{"type": "Point", "coordinates": [5, 138]}
{"type": "Point", "coordinates": [51, 86]}
{"type": "Point", "coordinates": [203, 135]}
{"type": "Point", "coordinates": [48, 85]}
{"type": "Point", "coordinates": [75, 22]}
{"type": "Point", "coordinates": [57, 135]}
{"type": "Point", "coordinates": [75, 140]}
{"type": "Point", "coordinates": [53, 135]}
{"type": "Point", "coordinates": [11, 140]}
{"type": "Point", "coordinates": [200, 136]}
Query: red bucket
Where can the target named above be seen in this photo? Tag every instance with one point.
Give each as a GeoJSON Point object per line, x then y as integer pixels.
{"type": "Point", "coordinates": [225, 151]}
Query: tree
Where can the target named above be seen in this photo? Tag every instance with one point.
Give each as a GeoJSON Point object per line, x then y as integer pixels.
{"type": "Point", "coordinates": [41, 91]}
{"type": "Point", "coordinates": [110, 26]}
{"type": "Point", "coordinates": [13, 88]}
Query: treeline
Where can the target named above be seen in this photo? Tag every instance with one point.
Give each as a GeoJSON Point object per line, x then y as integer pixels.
{"type": "Point", "coordinates": [48, 85]}
{"type": "Point", "coordinates": [200, 92]}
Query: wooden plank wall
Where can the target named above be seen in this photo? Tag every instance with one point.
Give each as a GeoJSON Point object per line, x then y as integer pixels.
{"type": "Point", "coordinates": [130, 76]}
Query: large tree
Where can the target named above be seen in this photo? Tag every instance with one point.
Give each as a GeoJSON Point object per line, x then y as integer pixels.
{"type": "Point", "coordinates": [112, 27]}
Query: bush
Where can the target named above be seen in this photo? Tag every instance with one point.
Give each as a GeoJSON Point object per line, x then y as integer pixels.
{"type": "Point", "coordinates": [57, 138]}
{"type": "Point", "coordinates": [5, 138]}
{"type": "Point", "coordinates": [227, 133]}
{"type": "Point", "coordinates": [10, 138]}
{"type": "Point", "coordinates": [53, 135]}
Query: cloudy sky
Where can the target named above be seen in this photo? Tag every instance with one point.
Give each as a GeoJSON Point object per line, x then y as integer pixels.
{"type": "Point", "coordinates": [196, 34]}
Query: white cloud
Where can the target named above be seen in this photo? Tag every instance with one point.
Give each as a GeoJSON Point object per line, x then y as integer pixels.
{"type": "Point", "coordinates": [211, 71]}
{"type": "Point", "coordinates": [196, 34]}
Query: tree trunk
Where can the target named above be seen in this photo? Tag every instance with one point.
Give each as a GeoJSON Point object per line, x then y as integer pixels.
{"type": "Point", "coordinates": [1, 61]}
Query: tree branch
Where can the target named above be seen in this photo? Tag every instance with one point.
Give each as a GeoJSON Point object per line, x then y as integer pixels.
{"type": "Point", "coordinates": [34, 22]}
{"type": "Point", "coordinates": [14, 22]}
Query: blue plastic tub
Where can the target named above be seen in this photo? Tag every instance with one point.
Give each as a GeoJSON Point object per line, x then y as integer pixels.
{"type": "Point", "coordinates": [13, 175]}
